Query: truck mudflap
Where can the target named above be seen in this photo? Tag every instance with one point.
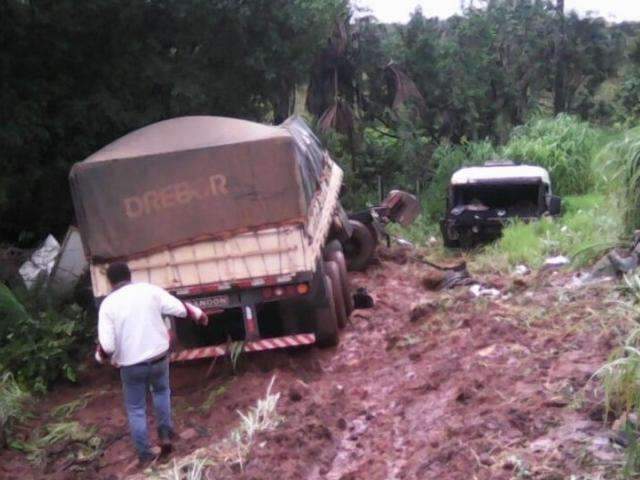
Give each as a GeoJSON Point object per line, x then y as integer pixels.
{"type": "Point", "coordinates": [255, 346]}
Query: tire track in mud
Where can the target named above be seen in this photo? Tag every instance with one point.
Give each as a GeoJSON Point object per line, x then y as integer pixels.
{"type": "Point", "coordinates": [465, 393]}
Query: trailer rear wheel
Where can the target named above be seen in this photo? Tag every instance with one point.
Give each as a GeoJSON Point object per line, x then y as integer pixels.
{"type": "Point", "coordinates": [326, 320]}
{"type": "Point", "coordinates": [333, 271]}
{"type": "Point", "coordinates": [338, 257]}
{"type": "Point", "coordinates": [360, 246]}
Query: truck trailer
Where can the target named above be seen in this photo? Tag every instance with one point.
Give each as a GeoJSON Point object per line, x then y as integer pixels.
{"type": "Point", "coordinates": [239, 218]}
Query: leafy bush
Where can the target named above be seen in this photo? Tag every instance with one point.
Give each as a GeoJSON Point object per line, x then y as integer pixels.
{"type": "Point", "coordinates": [39, 342]}
{"type": "Point", "coordinates": [399, 156]}
{"type": "Point", "coordinates": [563, 145]}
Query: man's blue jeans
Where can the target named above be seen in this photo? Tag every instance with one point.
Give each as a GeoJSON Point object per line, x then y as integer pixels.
{"type": "Point", "coordinates": [136, 382]}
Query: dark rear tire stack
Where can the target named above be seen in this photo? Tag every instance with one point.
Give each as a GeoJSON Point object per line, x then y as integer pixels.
{"type": "Point", "coordinates": [359, 249]}
{"type": "Point", "coordinates": [333, 271]}
{"type": "Point", "coordinates": [338, 257]}
{"type": "Point", "coordinates": [326, 320]}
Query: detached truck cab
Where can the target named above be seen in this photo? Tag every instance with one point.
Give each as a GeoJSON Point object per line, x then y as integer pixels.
{"type": "Point", "coordinates": [230, 215]}
{"type": "Point", "coordinates": [481, 200]}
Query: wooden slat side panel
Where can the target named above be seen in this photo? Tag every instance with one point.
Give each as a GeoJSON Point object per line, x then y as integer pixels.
{"type": "Point", "coordinates": [274, 251]}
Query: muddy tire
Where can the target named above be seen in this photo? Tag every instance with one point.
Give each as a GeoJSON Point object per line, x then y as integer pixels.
{"type": "Point", "coordinates": [326, 327]}
{"type": "Point", "coordinates": [333, 271]}
{"type": "Point", "coordinates": [359, 249]}
{"type": "Point", "coordinates": [338, 257]}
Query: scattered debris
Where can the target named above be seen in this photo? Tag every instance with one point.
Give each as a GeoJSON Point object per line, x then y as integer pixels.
{"type": "Point", "coordinates": [38, 268]}
{"type": "Point", "coordinates": [479, 291]}
{"type": "Point", "coordinates": [362, 299]}
{"type": "Point", "coordinates": [583, 279]}
{"type": "Point", "coordinates": [403, 242]}
{"type": "Point", "coordinates": [521, 270]}
{"type": "Point", "coordinates": [70, 265]}
{"type": "Point", "coordinates": [556, 262]}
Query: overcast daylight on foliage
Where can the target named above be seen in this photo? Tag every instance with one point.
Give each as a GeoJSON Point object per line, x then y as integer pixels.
{"type": "Point", "coordinates": [399, 10]}
{"type": "Point", "coordinates": [320, 239]}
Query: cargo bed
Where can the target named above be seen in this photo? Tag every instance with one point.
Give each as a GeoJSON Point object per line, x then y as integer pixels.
{"type": "Point", "coordinates": [237, 261]}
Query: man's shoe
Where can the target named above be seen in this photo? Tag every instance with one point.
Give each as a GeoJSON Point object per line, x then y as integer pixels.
{"type": "Point", "coordinates": [165, 435]}
{"type": "Point", "coordinates": [166, 447]}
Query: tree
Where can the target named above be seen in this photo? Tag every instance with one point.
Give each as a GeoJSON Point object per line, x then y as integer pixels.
{"type": "Point", "coordinates": [77, 75]}
{"type": "Point", "coordinates": [559, 102]}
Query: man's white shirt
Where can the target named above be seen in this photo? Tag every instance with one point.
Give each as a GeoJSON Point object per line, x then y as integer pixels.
{"type": "Point", "coordinates": [130, 324]}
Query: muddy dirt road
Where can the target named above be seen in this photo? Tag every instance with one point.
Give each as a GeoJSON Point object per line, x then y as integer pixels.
{"type": "Point", "coordinates": [463, 388]}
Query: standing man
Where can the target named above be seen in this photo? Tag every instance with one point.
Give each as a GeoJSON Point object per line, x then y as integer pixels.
{"type": "Point", "coordinates": [133, 335]}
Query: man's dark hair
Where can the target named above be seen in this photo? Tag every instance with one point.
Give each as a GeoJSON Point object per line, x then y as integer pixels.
{"type": "Point", "coordinates": [118, 272]}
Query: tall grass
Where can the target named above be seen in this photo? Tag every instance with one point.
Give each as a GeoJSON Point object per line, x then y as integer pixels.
{"type": "Point", "coordinates": [564, 145]}
{"type": "Point", "coordinates": [620, 377]}
{"type": "Point", "coordinates": [620, 160]}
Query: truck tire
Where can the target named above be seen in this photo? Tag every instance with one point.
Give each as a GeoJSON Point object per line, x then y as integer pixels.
{"type": "Point", "coordinates": [333, 271]}
{"type": "Point", "coordinates": [326, 327]}
{"type": "Point", "coordinates": [360, 247]}
{"type": "Point", "coordinates": [332, 246]}
{"type": "Point", "coordinates": [338, 257]}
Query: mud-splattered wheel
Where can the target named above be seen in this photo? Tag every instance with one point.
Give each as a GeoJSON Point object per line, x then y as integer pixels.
{"type": "Point", "coordinates": [360, 246]}
{"type": "Point", "coordinates": [333, 271]}
{"type": "Point", "coordinates": [326, 320]}
{"type": "Point", "coordinates": [338, 257]}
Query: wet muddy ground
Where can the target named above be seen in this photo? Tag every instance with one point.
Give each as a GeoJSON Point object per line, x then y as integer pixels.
{"type": "Point", "coordinates": [426, 385]}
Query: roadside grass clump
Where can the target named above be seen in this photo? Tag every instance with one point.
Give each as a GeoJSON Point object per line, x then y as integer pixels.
{"type": "Point", "coordinates": [233, 450]}
{"type": "Point", "coordinates": [564, 145]}
{"type": "Point", "coordinates": [12, 399]}
{"type": "Point", "coordinates": [65, 410]}
{"type": "Point", "coordinates": [620, 160]}
{"type": "Point", "coordinates": [41, 342]}
{"type": "Point", "coordinates": [589, 226]}
{"type": "Point", "coordinates": [620, 377]}
{"type": "Point", "coordinates": [621, 380]}
{"type": "Point", "coordinates": [86, 444]}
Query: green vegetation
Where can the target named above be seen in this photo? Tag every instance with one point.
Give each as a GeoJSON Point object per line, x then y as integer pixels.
{"type": "Point", "coordinates": [572, 150]}
{"type": "Point", "coordinates": [621, 162]}
{"type": "Point", "coordinates": [405, 103]}
{"type": "Point", "coordinates": [87, 445]}
{"type": "Point", "coordinates": [563, 145]}
{"type": "Point", "coordinates": [64, 411]}
{"type": "Point", "coordinates": [12, 398]}
{"type": "Point", "coordinates": [588, 227]}
{"type": "Point", "coordinates": [621, 380]}
{"type": "Point", "coordinates": [41, 342]}
{"type": "Point", "coordinates": [394, 93]}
